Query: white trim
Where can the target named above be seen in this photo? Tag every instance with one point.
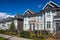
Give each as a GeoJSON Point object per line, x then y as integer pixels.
{"type": "Point", "coordinates": [54, 3]}
{"type": "Point", "coordinates": [50, 4]}
{"type": "Point", "coordinates": [28, 12]}
{"type": "Point", "coordinates": [57, 19]}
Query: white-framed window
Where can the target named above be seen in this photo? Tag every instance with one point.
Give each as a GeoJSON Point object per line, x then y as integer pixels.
{"type": "Point", "coordinates": [53, 11]}
{"type": "Point", "coordinates": [25, 19]}
{"type": "Point", "coordinates": [8, 25]}
{"type": "Point", "coordinates": [37, 17]}
{"type": "Point", "coordinates": [41, 17]}
{"type": "Point", "coordinates": [48, 25]}
{"type": "Point", "coordinates": [37, 26]}
{"type": "Point", "coordinates": [15, 21]}
{"type": "Point", "coordinates": [25, 26]}
{"type": "Point", "coordinates": [41, 26]}
{"type": "Point", "coordinates": [48, 13]}
{"type": "Point", "coordinates": [3, 24]}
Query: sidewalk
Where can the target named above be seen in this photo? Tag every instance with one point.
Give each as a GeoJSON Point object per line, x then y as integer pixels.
{"type": "Point", "coordinates": [13, 37]}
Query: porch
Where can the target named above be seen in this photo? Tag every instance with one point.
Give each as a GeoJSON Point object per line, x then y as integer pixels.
{"type": "Point", "coordinates": [57, 26]}
{"type": "Point", "coordinates": [35, 25]}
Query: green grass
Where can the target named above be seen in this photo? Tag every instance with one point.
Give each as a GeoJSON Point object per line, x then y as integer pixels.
{"type": "Point", "coordinates": [1, 38]}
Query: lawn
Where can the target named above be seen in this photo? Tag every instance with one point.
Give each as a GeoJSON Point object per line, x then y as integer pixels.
{"type": "Point", "coordinates": [1, 38]}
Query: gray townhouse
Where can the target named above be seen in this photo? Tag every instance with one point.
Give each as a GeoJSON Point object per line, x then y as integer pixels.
{"type": "Point", "coordinates": [6, 23]}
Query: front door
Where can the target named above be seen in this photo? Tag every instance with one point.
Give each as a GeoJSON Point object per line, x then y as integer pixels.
{"type": "Point", "coordinates": [57, 27]}
{"type": "Point", "coordinates": [32, 27]}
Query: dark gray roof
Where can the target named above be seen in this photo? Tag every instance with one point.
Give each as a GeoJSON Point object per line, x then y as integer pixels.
{"type": "Point", "coordinates": [52, 9]}
{"type": "Point", "coordinates": [35, 14]}
{"type": "Point", "coordinates": [56, 16]}
{"type": "Point", "coordinates": [41, 12]}
{"type": "Point", "coordinates": [18, 16]}
{"type": "Point", "coordinates": [32, 15]}
{"type": "Point", "coordinates": [6, 20]}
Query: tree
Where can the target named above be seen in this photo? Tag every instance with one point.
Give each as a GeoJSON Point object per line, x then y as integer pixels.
{"type": "Point", "coordinates": [12, 26]}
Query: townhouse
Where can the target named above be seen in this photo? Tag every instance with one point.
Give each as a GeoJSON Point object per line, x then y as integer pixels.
{"type": "Point", "coordinates": [47, 19]}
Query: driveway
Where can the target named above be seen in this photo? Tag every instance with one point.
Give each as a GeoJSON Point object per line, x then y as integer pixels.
{"type": "Point", "coordinates": [13, 37]}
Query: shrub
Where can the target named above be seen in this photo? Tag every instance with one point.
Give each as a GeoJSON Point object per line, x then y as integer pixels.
{"type": "Point", "coordinates": [7, 32]}
{"type": "Point", "coordinates": [25, 34]}
{"type": "Point", "coordinates": [32, 35]}
{"type": "Point", "coordinates": [2, 31]}
{"type": "Point", "coordinates": [42, 34]}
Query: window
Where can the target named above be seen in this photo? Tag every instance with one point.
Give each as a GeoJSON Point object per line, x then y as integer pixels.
{"type": "Point", "coordinates": [48, 24]}
{"type": "Point", "coordinates": [37, 18]}
{"type": "Point", "coordinates": [8, 25]}
{"type": "Point", "coordinates": [25, 25]}
{"type": "Point", "coordinates": [48, 13]}
{"type": "Point", "coordinates": [29, 17]}
{"type": "Point", "coordinates": [3, 25]}
{"type": "Point", "coordinates": [25, 19]}
{"type": "Point", "coordinates": [15, 21]}
{"type": "Point", "coordinates": [41, 26]}
{"type": "Point", "coordinates": [53, 11]}
{"type": "Point", "coordinates": [37, 26]}
{"type": "Point", "coordinates": [41, 17]}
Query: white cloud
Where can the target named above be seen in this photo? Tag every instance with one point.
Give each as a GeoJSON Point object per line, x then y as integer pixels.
{"type": "Point", "coordinates": [5, 15]}
{"type": "Point", "coordinates": [39, 6]}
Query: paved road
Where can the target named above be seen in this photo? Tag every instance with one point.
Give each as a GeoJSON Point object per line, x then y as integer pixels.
{"type": "Point", "coordinates": [13, 37]}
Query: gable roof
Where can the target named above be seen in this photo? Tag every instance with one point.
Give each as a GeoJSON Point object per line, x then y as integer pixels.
{"type": "Point", "coordinates": [35, 14]}
{"type": "Point", "coordinates": [51, 4]}
{"type": "Point", "coordinates": [9, 19]}
{"type": "Point", "coordinates": [28, 11]}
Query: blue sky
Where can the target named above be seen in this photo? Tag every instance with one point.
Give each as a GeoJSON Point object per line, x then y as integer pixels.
{"type": "Point", "coordinates": [11, 7]}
